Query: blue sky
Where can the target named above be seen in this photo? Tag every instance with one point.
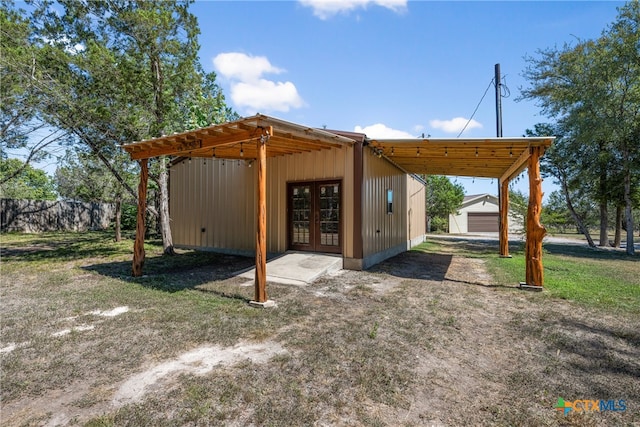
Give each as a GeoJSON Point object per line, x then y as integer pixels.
{"type": "Point", "coordinates": [389, 67]}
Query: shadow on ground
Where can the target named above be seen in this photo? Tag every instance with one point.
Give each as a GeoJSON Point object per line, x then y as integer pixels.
{"type": "Point", "coordinates": [178, 272]}
{"type": "Point", "coordinates": [415, 265]}
{"type": "Point", "coordinates": [584, 251]}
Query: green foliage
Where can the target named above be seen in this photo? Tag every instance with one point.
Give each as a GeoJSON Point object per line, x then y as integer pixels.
{"type": "Point", "coordinates": [443, 198]}
{"type": "Point", "coordinates": [129, 216]}
{"type": "Point", "coordinates": [26, 182]}
{"type": "Point", "coordinates": [592, 89]}
{"type": "Point", "coordinates": [555, 214]}
{"type": "Point", "coordinates": [16, 95]}
{"type": "Point", "coordinates": [81, 176]}
{"type": "Point", "coordinates": [518, 205]}
{"type": "Point", "coordinates": [438, 224]}
{"type": "Point", "coordinates": [105, 73]}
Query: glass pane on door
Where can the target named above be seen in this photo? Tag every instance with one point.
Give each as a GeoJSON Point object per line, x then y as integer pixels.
{"type": "Point", "coordinates": [329, 214]}
{"type": "Point", "coordinates": [301, 215]}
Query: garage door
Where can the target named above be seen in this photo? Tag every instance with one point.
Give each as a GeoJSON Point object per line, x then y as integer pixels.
{"type": "Point", "coordinates": [480, 222]}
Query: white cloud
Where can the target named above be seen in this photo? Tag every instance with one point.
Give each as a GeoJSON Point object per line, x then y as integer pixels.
{"type": "Point", "coordinates": [381, 131]}
{"type": "Point", "coordinates": [455, 125]}
{"type": "Point", "coordinates": [249, 90]}
{"type": "Point", "coordinates": [243, 67]}
{"type": "Point", "coordinates": [264, 94]}
{"type": "Point", "coordinates": [325, 9]}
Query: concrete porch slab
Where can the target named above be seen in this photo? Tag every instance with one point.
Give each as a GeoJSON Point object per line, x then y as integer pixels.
{"type": "Point", "coordinates": [298, 268]}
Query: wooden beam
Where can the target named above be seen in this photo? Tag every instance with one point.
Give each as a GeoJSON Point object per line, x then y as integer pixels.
{"type": "Point", "coordinates": [261, 234]}
{"type": "Point", "coordinates": [138, 246]}
{"type": "Point", "coordinates": [504, 219]}
{"type": "Point", "coordinates": [517, 166]}
{"type": "Point", "coordinates": [535, 230]}
{"type": "Point", "coordinates": [179, 148]}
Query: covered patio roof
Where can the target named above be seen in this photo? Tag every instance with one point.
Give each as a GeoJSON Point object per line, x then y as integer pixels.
{"type": "Point", "coordinates": [502, 158]}
{"type": "Point", "coordinates": [236, 140]}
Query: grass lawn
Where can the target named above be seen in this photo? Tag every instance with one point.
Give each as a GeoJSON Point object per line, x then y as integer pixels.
{"type": "Point", "coordinates": [594, 277]}
{"type": "Point", "coordinates": [435, 336]}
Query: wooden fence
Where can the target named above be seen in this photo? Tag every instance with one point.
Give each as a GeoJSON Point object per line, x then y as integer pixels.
{"type": "Point", "coordinates": [34, 216]}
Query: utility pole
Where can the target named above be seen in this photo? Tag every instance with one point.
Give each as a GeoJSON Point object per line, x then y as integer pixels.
{"type": "Point", "coordinates": [498, 85]}
{"type": "Point", "coordinates": [503, 187]}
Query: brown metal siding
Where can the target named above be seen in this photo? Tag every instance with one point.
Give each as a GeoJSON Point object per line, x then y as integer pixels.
{"type": "Point", "coordinates": [199, 201]}
{"type": "Point", "coordinates": [219, 196]}
{"type": "Point", "coordinates": [482, 222]}
{"type": "Point", "coordinates": [382, 231]}
{"type": "Point", "coordinates": [416, 216]}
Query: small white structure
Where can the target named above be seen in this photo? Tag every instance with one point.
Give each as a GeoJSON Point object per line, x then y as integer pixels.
{"type": "Point", "coordinates": [480, 213]}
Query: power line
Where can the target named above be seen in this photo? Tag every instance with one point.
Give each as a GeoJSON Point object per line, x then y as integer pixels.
{"type": "Point", "coordinates": [477, 106]}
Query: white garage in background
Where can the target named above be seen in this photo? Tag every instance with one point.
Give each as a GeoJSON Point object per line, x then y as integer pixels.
{"type": "Point", "coordinates": [479, 213]}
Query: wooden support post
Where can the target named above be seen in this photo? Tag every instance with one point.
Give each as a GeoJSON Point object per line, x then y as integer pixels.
{"type": "Point", "coordinates": [535, 230]}
{"type": "Point", "coordinates": [261, 235]}
{"type": "Point", "coordinates": [138, 246]}
{"type": "Point", "coordinates": [504, 219]}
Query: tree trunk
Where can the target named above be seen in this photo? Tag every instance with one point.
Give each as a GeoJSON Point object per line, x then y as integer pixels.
{"type": "Point", "coordinates": [138, 245]}
{"type": "Point", "coordinates": [118, 219]}
{"type": "Point", "coordinates": [628, 212]}
{"type": "Point", "coordinates": [163, 179]}
{"type": "Point", "coordinates": [604, 214]}
{"type": "Point", "coordinates": [618, 236]}
{"type": "Point", "coordinates": [604, 224]}
{"type": "Point", "coordinates": [581, 227]}
{"type": "Point", "coordinates": [165, 226]}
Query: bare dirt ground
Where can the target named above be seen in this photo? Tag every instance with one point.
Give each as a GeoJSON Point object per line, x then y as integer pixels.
{"type": "Point", "coordinates": [421, 339]}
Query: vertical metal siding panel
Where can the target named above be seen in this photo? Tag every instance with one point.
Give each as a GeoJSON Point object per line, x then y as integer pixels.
{"type": "Point", "coordinates": [219, 196]}
{"type": "Point", "coordinates": [252, 224]}
{"type": "Point", "coordinates": [367, 208]}
{"type": "Point", "coordinates": [380, 175]}
{"type": "Point", "coordinates": [197, 190]}
{"type": "Point", "coordinates": [201, 205]}
{"type": "Point", "coordinates": [226, 205]}
{"type": "Point", "coordinates": [184, 200]}
{"type": "Point", "coordinates": [174, 203]}
{"type": "Point", "coordinates": [207, 203]}
{"type": "Point", "coordinates": [416, 203]}
{"type": "Point", "coordinates": [273, 214]}
{"type": "Point", "coordinates": [281, 189]}
{"type": "Point", "coordinates": [239, 190]}
{"type": "Point", "coordinates": [191, 197]}
{"type": "Point", "coordinates": [347, 198]}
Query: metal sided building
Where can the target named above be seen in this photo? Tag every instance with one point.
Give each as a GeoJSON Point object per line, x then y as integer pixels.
{"type": "Point", "coordinates": [345, 199]}
{"type": "Point", "coordinates": [260, 185]}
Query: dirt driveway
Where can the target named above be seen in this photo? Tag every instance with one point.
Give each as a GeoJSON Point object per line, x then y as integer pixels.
{"type": "Point", "coordinates": [421, 339]}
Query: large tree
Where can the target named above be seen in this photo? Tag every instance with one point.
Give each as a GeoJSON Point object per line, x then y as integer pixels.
{"type": "Point", "coordinates": [82, 176]}
{"type": "Point", "coordinates": [22, 130]}
{"type": "Point", "coordinates": [593, 89]}
{"type": "Point", "coordinates": [124, 70]}
{"type": "Point", "coordinates": [27, 182]}
{"type": "Point", "coordinates": [567, 162]}
{"type": "Point", "coordinates": [443, 198]}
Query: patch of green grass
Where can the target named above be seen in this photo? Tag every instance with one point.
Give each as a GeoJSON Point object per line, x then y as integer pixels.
{"type": "Point", "coordinates": [595, 277]}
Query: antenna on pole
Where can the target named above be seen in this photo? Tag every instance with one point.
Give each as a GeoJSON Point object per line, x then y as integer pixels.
{"type": "Point", "coordinates": [498, 85]}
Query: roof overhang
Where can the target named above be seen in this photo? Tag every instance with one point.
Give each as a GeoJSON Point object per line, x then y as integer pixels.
{"type": "Point", "coordinates": [502, 158]}
{"type": "Point", "coordinates": [236, 140]}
